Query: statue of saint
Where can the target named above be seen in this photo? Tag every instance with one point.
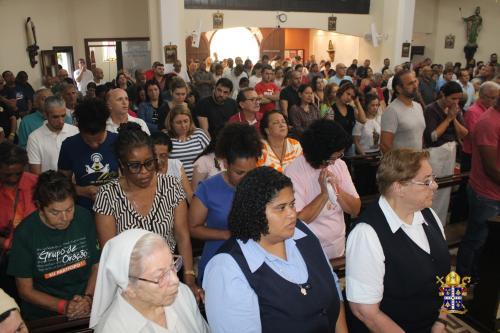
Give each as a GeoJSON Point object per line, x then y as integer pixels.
{"type": "Point", "coordinates": [473, 26]}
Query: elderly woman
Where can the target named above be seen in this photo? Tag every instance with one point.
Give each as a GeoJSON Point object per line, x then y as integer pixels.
{"type": "Point", "coordinates": [138, 290]}
{"type": "Point", "coordinates": [312, 173]}
{"type": "Point", "coordinates": [170, 166]}
{"type": "Point", "coordinates": [278, 150]}
{"type": "Point", "coordinates": [239, 146]}
{"type": "Point", "coordinates": [144, 198]}
{"type": "Point", "coordinates": [10, 316]}
{"type": "Point", "coordinates": [272, 276]}
{"type": "Point", "coordinates": [54, 255]}
{"type": "Point", "coordinates": [396, 251]}
{"type": "Point", "coordinates": [188, 141]}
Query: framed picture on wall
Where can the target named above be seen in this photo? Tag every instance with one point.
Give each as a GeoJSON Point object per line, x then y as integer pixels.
{"type": "Point", "coordinates": [218, 20]}
{"type": "Point", "coordinates": [292, 53]}
{"type": "Point", "coordinates": [170, 53]}
{"type": "Point", "coordinates": [405, 50]}
{"type": "Point", "coordinates": [449, 42]}
{"type": "Point", "coordinates": [332, 23]}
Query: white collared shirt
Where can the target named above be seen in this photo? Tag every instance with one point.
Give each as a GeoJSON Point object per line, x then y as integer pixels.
{"type": "Point", "coordinates": [113, 127]}
{"type": "Point", "coordinates": [365, 267]}
{"type": "Point", "coordinates": [44, 145]}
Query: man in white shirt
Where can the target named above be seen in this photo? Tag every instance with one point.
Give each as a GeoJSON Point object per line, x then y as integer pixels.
{"type": "Point", "coordinates": [467, 87]}
{"type": "Point", "coordinates": [118, 104]}
{"type": "Point", "coordinates": [182, 73]}
{"type": "Point", "coordinates": [235, 75]}
{"type": "Point", "coordinates": [45, 142]}
{"type": "Point", "coordinates": [83, 76]}
{"type": "Point", "coordinates": [99, 76]}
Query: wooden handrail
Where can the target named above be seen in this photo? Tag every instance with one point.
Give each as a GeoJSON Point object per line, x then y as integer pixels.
{"type": "Point", "coordinates": [59, 324]}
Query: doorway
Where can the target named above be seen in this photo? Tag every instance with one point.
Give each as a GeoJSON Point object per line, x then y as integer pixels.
{"type": "Point", "coordinates": [55, 59]}
{"type": "Point", "coordinates": [115, 54]}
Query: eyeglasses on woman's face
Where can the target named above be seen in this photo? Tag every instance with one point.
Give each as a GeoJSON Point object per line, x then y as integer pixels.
{"type": "Point", "coordinates": [136, 167]}
{"type": "Point", "coordinates": [333, 158]}
{"type": "Point", "coordinates": [165, 277]}
{"type": "Point", "coordinates": [428, 182]}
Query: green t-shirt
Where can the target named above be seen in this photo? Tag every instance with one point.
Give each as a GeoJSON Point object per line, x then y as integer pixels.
{"type": "Point", "coordinates": [58, 261]}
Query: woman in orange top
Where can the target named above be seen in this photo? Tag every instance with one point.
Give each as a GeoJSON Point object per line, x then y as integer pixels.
{"type": "Point", "coordinates": [278, 150]}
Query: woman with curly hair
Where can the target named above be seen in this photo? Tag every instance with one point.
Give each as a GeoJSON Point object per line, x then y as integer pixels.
{"type": "Point", "coordinates": [239, 146]}
{"type": "Point", "coordinates": [272, 276]}
{"type": "Point", "coordinates": [323, 145]}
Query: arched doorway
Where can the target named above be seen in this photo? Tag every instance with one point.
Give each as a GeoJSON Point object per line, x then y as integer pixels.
{"type": "Point", "coordinates": [235, 42]}
{"type": "Point", "coordinates": [197, 53]}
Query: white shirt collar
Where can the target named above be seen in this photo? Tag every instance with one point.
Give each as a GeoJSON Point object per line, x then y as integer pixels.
{"type": "Point", "coordinates": [394, 220]}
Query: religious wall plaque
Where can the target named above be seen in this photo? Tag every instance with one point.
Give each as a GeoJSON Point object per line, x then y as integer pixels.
{"type": "Point", "coordinates": [449, 41]}
{"type": "Point", "coordinates": [332, 23]}
{"type": "Point", "coordinates": [170, 53]}
{"type": "Point", "coordinates": [218, 20]}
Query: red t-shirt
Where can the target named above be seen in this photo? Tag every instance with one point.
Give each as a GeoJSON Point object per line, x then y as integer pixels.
{"type": "Point", "coordinates": [470, 118]}
{"type": "Point", "coordinates": [485, 133]}
{"type": "Point", "coordinates": [267, 89]}
{"type": "Point", "coordinates": [240, 118]}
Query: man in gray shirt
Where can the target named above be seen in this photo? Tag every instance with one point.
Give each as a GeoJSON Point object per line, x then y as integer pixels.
{"type": "Point", "coordinates": [403, 121]}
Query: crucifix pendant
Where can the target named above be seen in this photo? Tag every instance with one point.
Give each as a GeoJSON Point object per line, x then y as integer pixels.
{"type": "Point", "coordinates": [303, 291]}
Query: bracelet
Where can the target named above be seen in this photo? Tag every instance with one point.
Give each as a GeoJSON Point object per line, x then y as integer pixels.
{"type": "Point", "coordinates": [61, 306]}
{"type": "Point", "coordinates": [442, 321]}
{"type": "Point", "coordinates": [190, 273]}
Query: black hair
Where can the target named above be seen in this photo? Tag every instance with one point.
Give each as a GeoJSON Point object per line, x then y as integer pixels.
{"type": "Point", "coordinates": [91, 116]}
{"type": "Point", "coordinates": [451, 87]}
{"type": "Point", "coordinates": [131, 136]}
{"type": "Point", "coordinates": [247, 218]}
{"type": "Point", "coordinates": [6, 314]}
{"type": "Point", "coordinates": [151, 83]}
{"type": "Point", "coordinates": [91, 85]}
{"type": "Point", "coordinates": [238, 140]}
{"type": "Point", "coordinates": [241, 94]}
{"type": "Point", "coordinates": [161, 138]}
{"type": "Point", "coordinates": [257, 66]}
{"type": "Point", "coordinates": [448, 71]}
{"type": "Point", "coordinates": [118, 76]}
{"type": "Point", "coordinates": [368, 99]}
{"type": "Point", "coordinates": [303, 87]}
{"type": "Point", "coordinates": [264, 122]}
{"type": "Point", "coordinates": [267, 68]}
{"type": "Point", "coordinates": [344, 87]}
{"type": "Point", "coordinates": [225, 82]}
{"type": "Point", "coordinates": [396, 81]}
{"type": "Point", "coordinates": [11, 154]}
{"type": "Point", "coordinates": [314, 82]}
{"type": "Point", "coordinates": [323, 138]}
{"type": "Point", "coordinates": [52, 186]}
{"type": "Point", "coordinates": [177, 83]}
{"type": "Point", "coordinates": [243, 80]}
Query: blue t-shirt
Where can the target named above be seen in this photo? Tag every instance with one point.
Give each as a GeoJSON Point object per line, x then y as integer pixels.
{"type": "Point", "coordinates": [217, 196]}
{"type": "Point", "coordinates": [89, 166]}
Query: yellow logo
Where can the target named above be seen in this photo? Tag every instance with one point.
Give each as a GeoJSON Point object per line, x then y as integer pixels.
{"type": "Point", "coordinates": [453, 291]}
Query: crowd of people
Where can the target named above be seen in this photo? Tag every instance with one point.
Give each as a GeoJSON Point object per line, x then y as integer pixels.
{"type": "Point", "coordinates": [105, 185]}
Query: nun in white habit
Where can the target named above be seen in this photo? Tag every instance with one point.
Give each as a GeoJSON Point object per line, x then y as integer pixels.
{"type": "Point", "coordinates": [138, 290]}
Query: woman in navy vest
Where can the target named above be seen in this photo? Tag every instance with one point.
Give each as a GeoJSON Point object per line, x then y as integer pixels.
{"type": "Point", "coordinates": [396, 250]}
{"type": "Point", "coordinates": [272, 275]}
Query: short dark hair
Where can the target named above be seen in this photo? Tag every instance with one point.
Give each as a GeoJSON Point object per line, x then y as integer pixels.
{"type": "Point", "coordinates": [161, 138]}
{"type": "Point", "coordinates": [225, 82]}
{"type": "Point", "coordinates": [177, 83]}
{"type": "Point", "coordinates": [241, 95]}
{"type": "Point", "coordinates": [130, 136]}
{"type": "Point", "coordinates": [267, 68]}
{"type": "Point", "coordinates": [238, 140]}
{"type": "Point", "coordinates": [91, 116]}
{"type": "Point", "coordinates": [53, 186]}
{"type": "Point", "coordinates": [344, 87]}
{"type": "Point", "coordinates": [148, 84]}
{"type": "Point", "coordinates": [448, 71]}
{"type": "Point", "coordinates": [397, 79]}
{"type": "Point", "coordinates": [264, 122]}
{"type": "Point", "coordinates": [11, 154]}
{"type": "Point", "coordinates": [451, 87]}
{"type": "Point", "coordinates": [247, 218]}
{"type": "Point", "coordinates": [323, 138]}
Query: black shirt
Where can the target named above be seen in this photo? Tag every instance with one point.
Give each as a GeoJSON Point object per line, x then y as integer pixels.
{"type": "Point", "coordinates": [290, 95]}
{"type": "Point", "coordinates": [217, 114]}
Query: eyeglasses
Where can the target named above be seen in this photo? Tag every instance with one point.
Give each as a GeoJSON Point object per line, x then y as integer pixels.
{"type": "Point", "coordinates": [332, 160]}
{"type": "Point", "coordinates": [166, 277]}
{"type": "Point", "coordinates": [253, 100]}
{"type": "Point", "coordinates": [135, 167]}
{"type": "Point", "coordinates": [427, 182]}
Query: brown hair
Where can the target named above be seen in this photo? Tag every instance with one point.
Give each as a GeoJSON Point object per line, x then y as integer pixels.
{"type": "Point", "coordinates": [399, 165]}
{"type": "Point", "coordinates": [178, 110]}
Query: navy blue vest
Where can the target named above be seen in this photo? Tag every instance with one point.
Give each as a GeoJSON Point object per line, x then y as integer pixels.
{"type": "Point", "coordinates": [283, 308]}
{"type": "Point", "coordinates": [411, 295]}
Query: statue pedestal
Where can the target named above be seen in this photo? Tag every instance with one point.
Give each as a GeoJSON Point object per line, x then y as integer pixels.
{"type": "Point", "coordinates": [469, 51]}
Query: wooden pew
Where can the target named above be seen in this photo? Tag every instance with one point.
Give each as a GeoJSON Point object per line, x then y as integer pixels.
{"type": "Point", "coordinates": [59, 324]}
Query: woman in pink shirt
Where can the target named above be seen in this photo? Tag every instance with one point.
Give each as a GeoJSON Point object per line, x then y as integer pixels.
{"type": "Point", "coordinates": [323, 209]}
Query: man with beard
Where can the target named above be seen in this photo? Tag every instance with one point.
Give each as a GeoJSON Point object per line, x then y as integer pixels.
{"type": "Point", "coordinates": [403, 121]}
{"type": "Point", "coordinates": [214, 111]}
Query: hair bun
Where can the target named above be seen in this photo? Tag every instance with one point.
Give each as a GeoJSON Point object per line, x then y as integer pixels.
{"type": "Point", "coordinates": [129, 126]}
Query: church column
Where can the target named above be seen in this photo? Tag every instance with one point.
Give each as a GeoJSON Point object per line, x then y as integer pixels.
{"type": "Point", "coordinates": [166, 28]}
{"type": "Point", "coordinates": [397, 22]}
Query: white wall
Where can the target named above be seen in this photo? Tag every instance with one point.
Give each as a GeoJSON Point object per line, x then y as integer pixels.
{"type": "Point", "coordinates": [346, 47]}
{"type": "Point", "coordinates": [435, 19]}
{"type": "Point", "coordinates": [65, 23]}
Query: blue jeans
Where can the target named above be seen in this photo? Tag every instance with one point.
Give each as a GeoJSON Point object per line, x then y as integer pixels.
{"type": "Point", "coordinates": [481, 209]}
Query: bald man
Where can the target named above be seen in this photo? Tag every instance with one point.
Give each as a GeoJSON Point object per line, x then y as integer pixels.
{"type": "Point", "coordinates": [340, 75]}
{"type": "Point", "coordinates": [118, 105]}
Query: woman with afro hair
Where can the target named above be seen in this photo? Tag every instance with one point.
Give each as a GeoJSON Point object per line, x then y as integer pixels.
{"type": "Point", "coordinates": [323, 145]}
{"type": "Point", "coordinates": [238, 146]}
{"type": "Point", "coordinates": [272, 275]}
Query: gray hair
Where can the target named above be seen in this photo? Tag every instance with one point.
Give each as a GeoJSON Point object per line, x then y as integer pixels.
{"type": "Point", "coordinates": [144, 247]}
{"type": "Point", "coordinates": [54, 102]}
{"type": "Point", "coordinates": [487, 86]}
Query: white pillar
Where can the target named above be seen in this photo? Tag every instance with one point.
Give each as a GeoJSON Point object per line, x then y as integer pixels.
{"type": "Point", "coordinates": [398, 24]}
{"type": "Point", "coordinates": [172, 28]}
{"type": "Point", "coordinates": [155, 31]}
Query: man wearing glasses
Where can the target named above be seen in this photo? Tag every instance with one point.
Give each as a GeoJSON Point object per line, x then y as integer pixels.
{"type": "Point", "coordinates": [249, 103]}
{"type": "Point", "coordinates": [340, 75]}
